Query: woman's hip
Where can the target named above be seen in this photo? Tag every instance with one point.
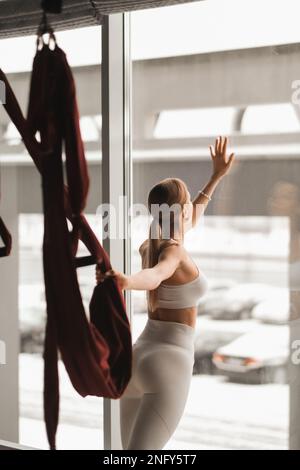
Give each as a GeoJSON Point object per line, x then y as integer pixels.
{"type": "Point", "coordinates": [167, 334]}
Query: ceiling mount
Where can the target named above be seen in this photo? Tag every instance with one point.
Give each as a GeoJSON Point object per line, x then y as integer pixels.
{"type": "Point", "coordinates": [52, 6]}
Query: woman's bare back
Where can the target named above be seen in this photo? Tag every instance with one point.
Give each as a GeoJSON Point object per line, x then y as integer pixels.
{"type": "Point", "coordinates": [186, 272]}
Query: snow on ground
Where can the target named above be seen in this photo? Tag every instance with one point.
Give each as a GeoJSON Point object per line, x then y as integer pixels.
{"type": "Point", "coordinates": [218, 414]}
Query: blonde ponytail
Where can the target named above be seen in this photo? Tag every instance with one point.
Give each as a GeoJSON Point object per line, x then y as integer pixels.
{"type": "Point", "coordinates": [169, 191]}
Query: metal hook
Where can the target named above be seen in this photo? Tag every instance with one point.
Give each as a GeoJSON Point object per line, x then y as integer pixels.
{"type": "Point", "coordinates": [44, 27]}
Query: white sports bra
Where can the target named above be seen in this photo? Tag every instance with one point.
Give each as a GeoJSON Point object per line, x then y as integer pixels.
{"type": "Point", "coordinates": [182, 295]}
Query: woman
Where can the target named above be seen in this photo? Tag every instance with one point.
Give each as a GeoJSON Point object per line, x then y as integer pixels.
{"type": "Point", "coordinates": [163, 355]}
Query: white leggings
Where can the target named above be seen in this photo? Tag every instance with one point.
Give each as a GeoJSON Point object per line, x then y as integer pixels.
{"type": "Point", "coordinates": [155, 397]}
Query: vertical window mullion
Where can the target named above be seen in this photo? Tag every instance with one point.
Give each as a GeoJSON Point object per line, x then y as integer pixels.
{"type": "Point", "coordinates": [116, 169]}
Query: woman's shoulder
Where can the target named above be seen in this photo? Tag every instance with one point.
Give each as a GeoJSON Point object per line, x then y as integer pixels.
{"type": "Point", "coordinates": [163, 244]}
{"type": "Point", "coordinates": [170, 243]}
{"type": "Point", "coordinates": [143, 246]}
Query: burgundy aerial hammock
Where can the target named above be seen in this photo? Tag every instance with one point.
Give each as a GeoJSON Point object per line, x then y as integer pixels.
{"type": "Point", "coordinates": [97, 354]}
{"type": "Point", "coordinates": [5, 236]}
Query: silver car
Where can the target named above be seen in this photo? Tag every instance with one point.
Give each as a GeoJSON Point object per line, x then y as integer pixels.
{"type": "Point", "coordinates": [259, 356]}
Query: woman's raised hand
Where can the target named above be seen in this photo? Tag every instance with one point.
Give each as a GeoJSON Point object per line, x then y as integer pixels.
{"type": "Point", "coordinates": [121, 278]}
{"type": "Point", "coordinates": [221, 164]}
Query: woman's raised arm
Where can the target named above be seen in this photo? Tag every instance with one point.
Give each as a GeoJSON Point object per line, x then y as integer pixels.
{"type": "Point", "coordinates": [221, 166]}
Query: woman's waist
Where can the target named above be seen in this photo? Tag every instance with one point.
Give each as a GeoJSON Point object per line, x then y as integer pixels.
{"type": "Point", "coordinates": [187, 315]}
{"type": "Point", "coordinates": [168, 332]}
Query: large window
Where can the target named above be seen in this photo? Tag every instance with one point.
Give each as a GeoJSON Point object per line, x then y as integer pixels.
{"type": "Point", "coordinates": [198, 70]}
{"type": "Point", "coordinates": [189, 86]}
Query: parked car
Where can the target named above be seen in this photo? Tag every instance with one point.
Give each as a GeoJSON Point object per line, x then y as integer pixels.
{"type": "Point", "coordinates": [32, 317]}
{"type": "Point", "coordinates": [217, 288]}
{"type": "Point", "coordinates": [206, 344]}
{"type": "Point", "coordinates": [275, 310]}
{"type": "Point", "coordinates": [211, 335]}
{"type": "Point", "coordinates": [237, 302]}
{"type": "Point", "coordinates": [260, 356]}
